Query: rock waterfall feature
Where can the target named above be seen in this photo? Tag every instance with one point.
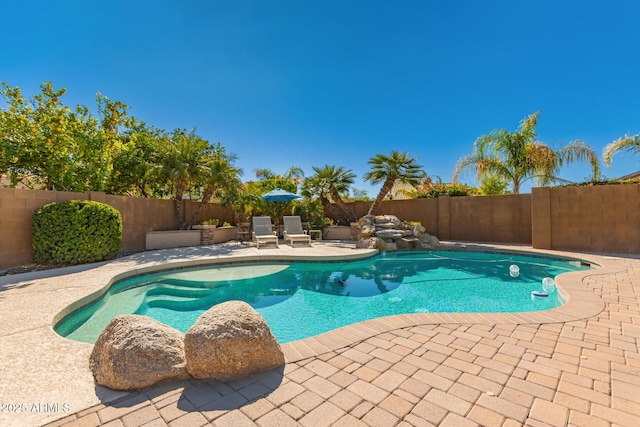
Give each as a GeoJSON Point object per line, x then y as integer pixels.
{"type": "Point", "coordinates": [387, 233]}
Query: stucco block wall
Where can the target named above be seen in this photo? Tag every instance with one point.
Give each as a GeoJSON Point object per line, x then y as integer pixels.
{"type": "Point", "coordinates": [16, 207]}
{"type": "Point", "coordinates": [590, 219]}
{"type": "Point", "coordinates": [487, 219]}
{"type": "Point", "coordinates": [139, 215]}
{"type": "Point", "coordinates": [504, 219]}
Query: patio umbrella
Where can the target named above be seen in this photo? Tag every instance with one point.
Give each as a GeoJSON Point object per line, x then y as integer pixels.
{"type": "Point", "coordinates": [279, 196]}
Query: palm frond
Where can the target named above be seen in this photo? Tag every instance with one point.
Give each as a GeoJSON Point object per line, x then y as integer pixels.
{"type": "Point", "coordinates": [578, 150]}
{"type": "Point", "coordinates": [626, 143]}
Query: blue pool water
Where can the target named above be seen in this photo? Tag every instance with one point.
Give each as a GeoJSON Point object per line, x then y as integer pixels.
{"type": "Point", "coordinates": [302, 299]}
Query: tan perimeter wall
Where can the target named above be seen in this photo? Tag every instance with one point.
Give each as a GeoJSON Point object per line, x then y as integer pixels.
{"type": "Point", "coordinates": [505, 219]}
{"type": "Point", "coordinates": [139, 215]}
{"type": "Point", "coordinates": [589, 219]}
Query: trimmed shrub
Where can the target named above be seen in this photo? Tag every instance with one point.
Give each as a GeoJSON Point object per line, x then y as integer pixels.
{"type": "Point", "coordinates": [76, 232]}
{"type": "Point", "coordinates": [603, 181]}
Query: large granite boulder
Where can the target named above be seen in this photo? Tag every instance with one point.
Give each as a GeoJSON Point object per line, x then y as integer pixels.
{"type": "Point", "coordinates": [371, 243]}
{"type": "Point", "coordinates": [230, 340]}
{"type": "Point", "coordinates": [429, 241]}
{"type": "Point", "coordinates": [135, 352]}
{"type": "Point", "coordinates": [367, 231]}
{"type": "Point", "coordinates": [388, 221]}
{"type": "Point", "coordinates": [408, 243]}
{"type": "Point", "coordinates": [389, 234]}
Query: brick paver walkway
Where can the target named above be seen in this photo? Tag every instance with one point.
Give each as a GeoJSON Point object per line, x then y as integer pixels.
{"type": "Point", "coordinates": [579, 373]}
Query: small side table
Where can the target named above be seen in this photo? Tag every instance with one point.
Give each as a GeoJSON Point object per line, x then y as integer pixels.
{"type": "Point", "coordinates": [316, 232]}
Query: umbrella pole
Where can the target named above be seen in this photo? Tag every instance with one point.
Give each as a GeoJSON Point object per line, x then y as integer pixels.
{"type": "Point", "coordinates": [279, 219]}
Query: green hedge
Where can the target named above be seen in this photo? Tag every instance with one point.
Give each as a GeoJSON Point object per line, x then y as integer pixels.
{"type": "Point", "coordinates": [76, 232]}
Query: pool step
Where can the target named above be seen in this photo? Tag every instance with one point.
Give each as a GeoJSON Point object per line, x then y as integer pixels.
{"type": "Point", "coordinates": [172, 290]}
{"type": "Point", "coordinates": [183, 303]}
{"type": "Point", "coordinates": [194, 284]}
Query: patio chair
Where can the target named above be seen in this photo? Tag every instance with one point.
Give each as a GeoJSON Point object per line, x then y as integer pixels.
{"type": "Point", "coordinates": [262, 231]}
{"type": "Point", "coordinates": [293, 231]}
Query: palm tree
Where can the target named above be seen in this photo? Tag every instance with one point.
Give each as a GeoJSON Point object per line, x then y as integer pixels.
{"type": "Point", "coordinates": [517, 156]}
{"type": "Point", "coordinates": [315, 186]}
{"type": "Point", "coordinates": [389, 169]}
{"type": "Point", "coordinates": [627, 143]}
{"type": "Point", "coordinates": [243, 199]}
{"type": "Point", "coordinates": [220, 177]}
{"type": "Point", "coordinates": [329, 184]}
{"type": "Point", "coordinates": [180, 164]}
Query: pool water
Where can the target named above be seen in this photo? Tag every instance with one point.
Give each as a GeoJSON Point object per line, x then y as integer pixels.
{"type": "Point", "coordinates": [302, 299]}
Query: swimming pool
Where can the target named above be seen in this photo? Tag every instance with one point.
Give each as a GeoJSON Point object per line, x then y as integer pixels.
{"type": "Point", "coordinates": [302, 299]}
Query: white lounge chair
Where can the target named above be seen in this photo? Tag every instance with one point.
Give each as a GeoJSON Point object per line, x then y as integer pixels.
{"type": "Point", "coordinates": [293, 231]}
{"type": "Point", "coordinates": [262, 231]}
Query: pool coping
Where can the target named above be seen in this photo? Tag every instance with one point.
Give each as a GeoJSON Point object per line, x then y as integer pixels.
{"type": "Point", "coordinates": [42, 361]}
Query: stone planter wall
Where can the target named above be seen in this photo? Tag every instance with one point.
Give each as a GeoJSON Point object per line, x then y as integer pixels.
{"type": "Point", "coordinates": [171, 239]}
{"type": "Point", "coordinates": [337, 232]}
{"type": "Point", "coordinates": [210, 234]}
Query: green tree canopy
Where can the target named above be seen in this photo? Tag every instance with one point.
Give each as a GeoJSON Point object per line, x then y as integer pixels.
{"type": "Point", "coordinates": [269, 180]}
{"type": "Point", "coordinates": [47, 145]}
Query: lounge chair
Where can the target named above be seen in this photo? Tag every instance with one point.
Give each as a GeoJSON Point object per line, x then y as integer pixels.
{"type": "Point", "coordinates": [293, 231]}
{"type": "Point", "coordinates": [262, 232]}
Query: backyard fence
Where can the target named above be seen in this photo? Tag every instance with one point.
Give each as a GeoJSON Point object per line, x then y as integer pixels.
{"type": "Point", "coordinates": [139, 215]}
{"type": "Point", "coordinates": [588, 219]}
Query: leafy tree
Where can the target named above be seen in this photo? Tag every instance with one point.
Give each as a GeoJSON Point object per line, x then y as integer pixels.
{"type": "Point", "coordinates": [491, 184]}
{"type": "Point", "coordinates": [517, 156]}
{"type": "Point", "coordinates": [431, 187]}
{"type": "Point", "coordinates": [311, 211]}
{"type": "Point", "coordinates": [330, 184]}
{"type": "Point", "coordinates": [424, 186]}
{"type": "Point", "coordinates": [101, 139]}
{"type": "Point", "coordinates": [37, 146]}
{"type": "Point", "coordinates": [627, 143]}
{"type": "Point", "coordinates": [361, 195]}
{"type": "Point", "coordinates": [44, 144]}
{"type": "Point", "coordinates": [135, 162]}
{"type": "Point", "coordinates": [269, 180]}
{"type": "Point", "coordinates": [389, 169]}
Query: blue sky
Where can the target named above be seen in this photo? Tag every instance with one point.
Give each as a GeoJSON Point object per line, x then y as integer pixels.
{"type": "Point", "coordinates": [309, 83]}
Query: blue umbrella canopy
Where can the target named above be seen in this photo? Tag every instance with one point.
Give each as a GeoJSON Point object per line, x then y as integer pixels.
{"type": "Point", "coordinates": [280, 195]}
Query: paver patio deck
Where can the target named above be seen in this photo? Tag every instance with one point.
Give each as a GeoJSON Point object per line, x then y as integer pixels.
{"type": "Point", "coordinates": [576, 365]}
